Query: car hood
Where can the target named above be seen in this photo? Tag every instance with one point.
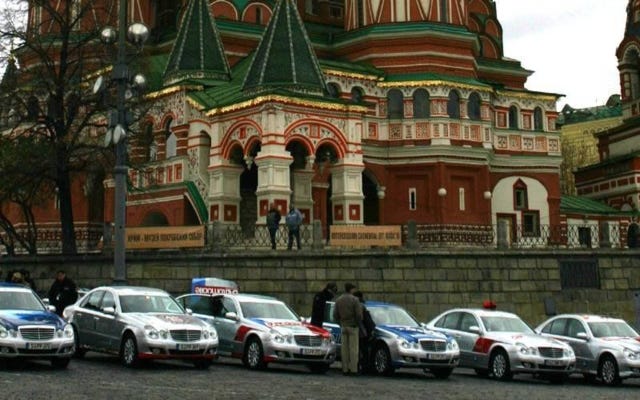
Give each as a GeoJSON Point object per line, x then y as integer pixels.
{"type": "Point", "coordinates": [289, 327]}
{"type": "Point", "coordinates": [12, 319]}
{"type": "Point", "coordinates": [163, 320]}
{"type": "Point", "coordinates": [410, 333]}
{"type": "Point", "coordinates": [624, 342]}
{"type": "Point", "coordinates": [529, 339]}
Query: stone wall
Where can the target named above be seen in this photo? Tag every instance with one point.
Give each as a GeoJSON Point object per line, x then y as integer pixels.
{"type": "Point", "coordinates": [425, 282]}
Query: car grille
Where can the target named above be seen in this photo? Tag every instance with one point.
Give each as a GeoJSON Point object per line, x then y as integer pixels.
{"type": "Point", "coordinates": [184, 335]}
{"type": "Point", "coordinates": [551, 352]}
{"type": "Point", "coordinates": [308, 341]}
{"type": "Point", "coordinates": [433, 345]}
{"type": "Point", "coordinates": [37, 333]}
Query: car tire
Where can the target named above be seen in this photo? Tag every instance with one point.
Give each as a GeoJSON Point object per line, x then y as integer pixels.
{"type": "Point", "coordinates": [316, 368]}
{"type": "Point", "coordinates": [499, 365]}
{"type": "Point", "coordinates": [441, 373]}
{"type": "Point", "coordinates": [608, 370]}
{"type": "Point", "coordinates": [129, 351]}
{"type": "Point", "coordinates": [60, 363]}
{"type": "Point", "coordinates": [382, 361]}
{"type": "Point", "coordinates": [79, 351]}
{"type": "Point", "coordinates": [254, 354]}
{"type": "Point", "coordinates": [202, 364]}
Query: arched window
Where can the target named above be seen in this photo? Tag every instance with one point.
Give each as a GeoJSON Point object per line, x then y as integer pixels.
{"type": "Point", "coordinates": [513, 117]}
{"type": "Point", "coordinates": [453, 105]}
{"type": "Point", "coordinates": [333, 90]}
{"type": "Point", "coordinates": [395, 102]}
{"type": "Point", "coordinates": [444, 11]}
{"type": "Point", "coordinates": [520, 195]}
{"type": "Point", "coordinates": [421, 104]}
{"type": "Point", "coordinates": [171, 140]}
{"type": "Point", "coordinates": [258, 15]}
{"type": "Point", "coordinates": [537, 119]}
{"type": "Point", "coordinates": [473, 106]}
{"type": "Point", "coordinates": [357, 95]}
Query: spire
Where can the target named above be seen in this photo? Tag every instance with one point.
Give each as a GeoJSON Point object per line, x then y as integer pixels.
{"type": "Point", "coordinates": [9, 80]}
{"type": "Point", "coordinates": [197, 52]}
{"type": "Point", "coordinates": [284, 58]}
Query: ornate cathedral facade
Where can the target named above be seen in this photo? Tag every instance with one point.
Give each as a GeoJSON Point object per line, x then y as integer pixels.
{"type": "Point", "coordinates": [374, 112]}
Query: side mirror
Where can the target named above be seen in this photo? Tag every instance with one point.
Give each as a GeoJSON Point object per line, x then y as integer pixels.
{"type": "Point", "coordinates": [474, 329]}
{"type": "Point", "coordinates": [51, 308]}
{"type": "Point", "coordinates": [231, 315]}
{"type": "Point", "coordinates": [188, 311]}
{"type": "Point", "coordinates": [109, 310]}
{"type": "Point", "coordinates": [582, 335]}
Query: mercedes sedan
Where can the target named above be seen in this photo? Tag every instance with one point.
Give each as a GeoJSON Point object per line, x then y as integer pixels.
{"type": "Point", "coordinates": [28, 329]}
{"type": "Point", "coordinates": [501, 344]}
{"type": "Point", "coordinates": [261, 330]}
{"type": "Point", "coordinates": [606, 348]}
{"type": "Point", "coordinates": [138, 323]}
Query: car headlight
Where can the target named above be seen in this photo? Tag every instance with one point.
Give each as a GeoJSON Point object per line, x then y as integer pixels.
{"type": "Point", "coordinates": [405, 344]}
{"type": "Point", "coordinates": [328, 341]}
{"type": "Point", "coordinates": [631, 355]}
{"type": "Point", "coordinates": [209, 334]}
{"type": "Point", "coordinates": [568, 352]}
{"type": "Point", "coordinates": [280, 338]}
{"type": "Point", "coordinates": [3, 332]}
{"type": "Point", "coordinates": [526, 350]}
{"type": "Point", "coordinates": [67, 331]}
{"type": "Point", "coordinates": [151, 332]}
{"type": "Point", "coordinates": [452, 345]}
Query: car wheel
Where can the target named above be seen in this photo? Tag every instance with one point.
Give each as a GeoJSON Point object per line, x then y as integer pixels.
{"type": "Point", "coordinates": [382, 361]}
{"type": "Point", "coordinates": [202, 364]}
{"type": "Point", "coordinates": [60, 363]}
{"type": "Point", "coordinates": [254, 355]}
{"type": "Point", "coordinates": [318, 368]}
{"type": "Point", "coordinates": [608, 370]}
{"type": "Point", "coordinates": [129, 351]}
{"type": "Point", "coordinates": [79, 351]}
{"type": "Point", "coordinates": [499, 365]}
{"type": "Point", "coordinates": [441, 373]}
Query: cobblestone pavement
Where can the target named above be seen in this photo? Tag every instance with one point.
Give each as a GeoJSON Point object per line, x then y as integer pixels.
{"type": "Point", "coordinates": [102, 377]}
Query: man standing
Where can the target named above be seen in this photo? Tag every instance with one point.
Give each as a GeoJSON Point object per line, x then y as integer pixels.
{"type": "Point", "coordinates": [63, 292]}
{"type": "Point", "coordinates": [348, 313]}
{"type": "Point", "coordinates": [320, 303]}
{"type": "Point", "coordinates": [273, 223]}
{"type": "Point", "coordinates": [293, 221]}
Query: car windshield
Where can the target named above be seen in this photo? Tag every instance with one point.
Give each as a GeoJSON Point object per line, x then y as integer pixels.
{"type": "Point", "coordinates": [149, 304]}
{"type": "Point", "coordinates": [505, 324]}
{"type": "Point", "coordinates": [611, 329]}
{"type": "Point", "coordinates": [252, 309]}
{"type": "Point", "coordinates": [392, 316]}
{"type": "Point", "coordinates": [14, 300]}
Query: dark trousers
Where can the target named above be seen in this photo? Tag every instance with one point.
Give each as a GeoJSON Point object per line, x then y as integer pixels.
{"type": "Point", "coordinates": [272, 236]}
{"type": "Point", "coordinates": [293, 233]}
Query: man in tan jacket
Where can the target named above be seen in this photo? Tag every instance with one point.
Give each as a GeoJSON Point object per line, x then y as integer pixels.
{"type": "Point", "coordinates": [348, 313]}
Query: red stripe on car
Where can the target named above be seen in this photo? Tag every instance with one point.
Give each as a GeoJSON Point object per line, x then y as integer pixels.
{"type": "Point", "coordinates": [483, 345]}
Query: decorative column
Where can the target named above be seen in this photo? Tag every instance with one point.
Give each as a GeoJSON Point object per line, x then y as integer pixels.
{"type": "Point", "coordinates": [224, 193]}
{"type": "Point", "coordinates": [347, 197]}
{"type": "Point", "coordinates": [302, 190]}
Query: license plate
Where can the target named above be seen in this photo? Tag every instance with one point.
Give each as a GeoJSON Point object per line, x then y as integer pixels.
{"type": "Point", "coordinates": [39, 346]}
{"type": "Point", "coordinates": [188, 346]}
{"type": "Point", "coordinates": [312, 352]}
{"type": "Point", "coordinates": [553, 363]}
{"type": "Point", "coordinates": [437, 356]}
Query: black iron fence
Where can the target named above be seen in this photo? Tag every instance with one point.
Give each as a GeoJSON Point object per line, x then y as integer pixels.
{"type": "Point", "coordinates": [96, 238]}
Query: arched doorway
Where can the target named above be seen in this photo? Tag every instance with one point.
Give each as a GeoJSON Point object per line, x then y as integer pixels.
{"type": "Point", "coordinates": [155, 218]}
{"type": "Point", "coordinates": [371, 203]}
{"type": "Point", "coordinates": [325, 157]}
{"type": "Point", "coordinates": [248, 210]}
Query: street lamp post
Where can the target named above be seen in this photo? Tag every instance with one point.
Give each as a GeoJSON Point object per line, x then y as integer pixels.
{"type": "Point", "coordinates": [119, 121]}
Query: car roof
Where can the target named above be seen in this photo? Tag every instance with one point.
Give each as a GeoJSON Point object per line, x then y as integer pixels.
{"type": "Point", "coordinates": [483, 312]}
{"type": "Point", "coordinates": [133, 290]}
{"type": "Point", "coordinates": [13, 287]}
{"type": "Point", "coordinates": [590, 317]}
{"type": "Point", "coordinates": [375, 303]}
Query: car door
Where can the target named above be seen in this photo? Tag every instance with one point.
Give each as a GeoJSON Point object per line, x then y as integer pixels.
{"type": "Point", "coordinates": [578, 338]}
{"type": "Point", "coordinates": [200, 305]}
{"type": "Point", "coordinates": [85, 319]}
{"type": "Point", "coordinates": [226, 327]}
{"type": "Point", "coordinates": [107, 328]}
{"type": "Point", "coordinates": [467, 337]}
{"type": "Point", "coordinates": [331, 324]}
{"type": "Point", "coordinates": [448, 323]}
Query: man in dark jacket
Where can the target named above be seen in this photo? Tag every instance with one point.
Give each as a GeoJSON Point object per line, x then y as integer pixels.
{"type": "Point", "coordinates": [320, 303]}
{"type": "Point", "coordinates": [367, 328]}
{"type": "Point", "coordinates": [273, 223]}
{"type": "Point", "coordinates": [63, 292]}
{"type": "Point", "coordinates": [348, 313]}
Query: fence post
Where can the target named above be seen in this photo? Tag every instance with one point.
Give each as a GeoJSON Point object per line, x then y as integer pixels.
{"type": "Point", "coordinates": [503, 234]}
{"type": "Point", "coordinates": [316, 235]}
{"type": "Point", "coordinates": [605, 230]}
{"type": "Point", "coordinates": [412, 235]}
{"type": "Point", "coordinates": [215, 236]}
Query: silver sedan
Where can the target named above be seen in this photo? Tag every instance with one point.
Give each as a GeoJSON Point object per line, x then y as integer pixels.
{"type": "Point", "coordinates": [138, 323]}
{"type": "Point", "coordinates": [501, 344]}
{"type": "Point", "coordinates": [606, 348]}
